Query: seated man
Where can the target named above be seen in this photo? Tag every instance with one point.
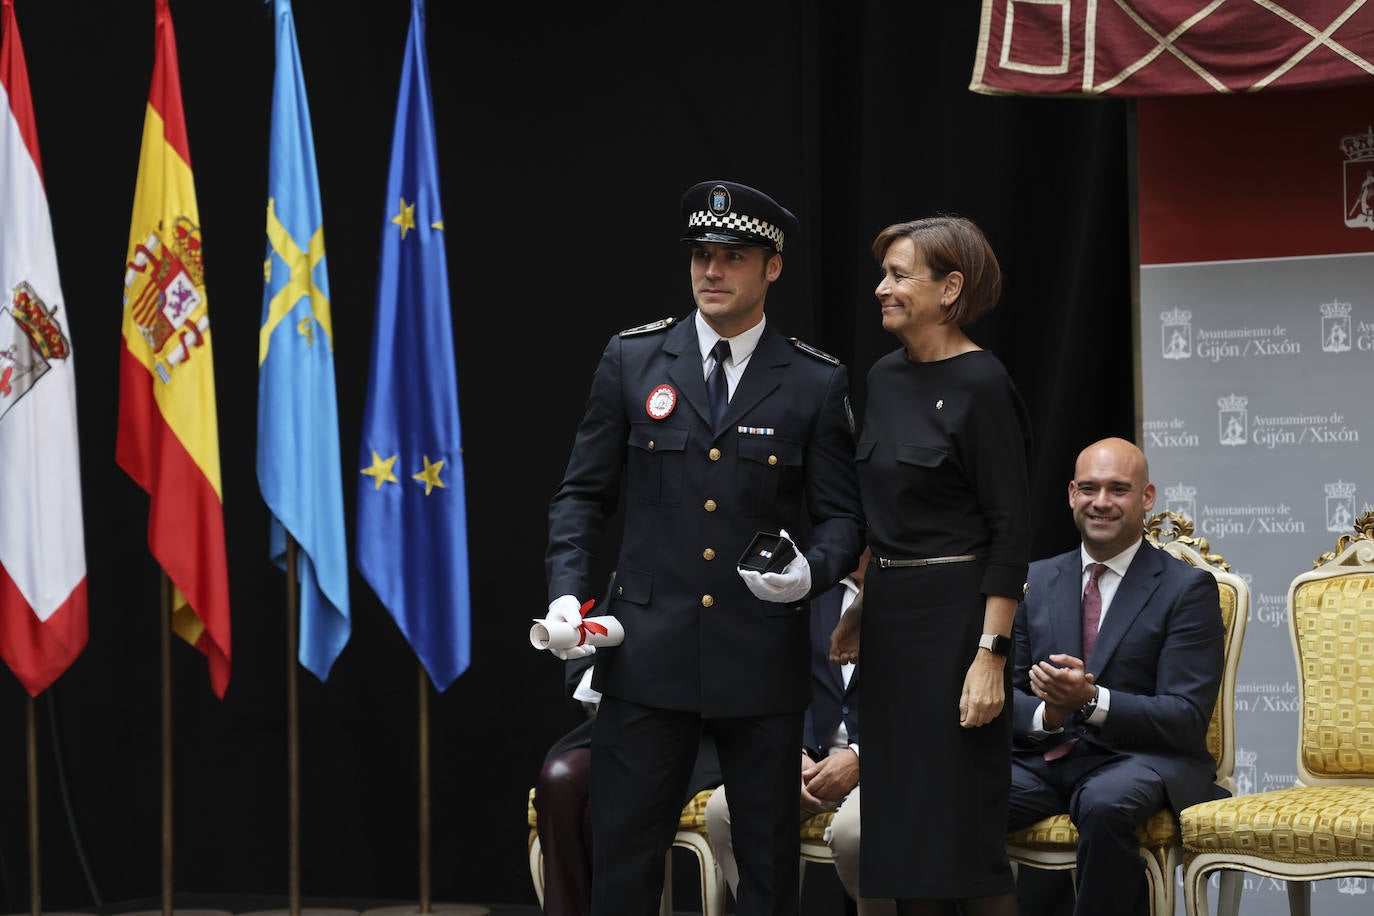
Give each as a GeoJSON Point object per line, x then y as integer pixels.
{"type": "Point", "coordinates": [561, 801]}
{"type": "Point", "coordinates": [1118, 663]}
{"type": "Point", "coordinates": [830, 758]}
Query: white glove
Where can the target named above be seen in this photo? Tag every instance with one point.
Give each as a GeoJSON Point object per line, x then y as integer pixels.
{"type": "Point", "coordinates": [567, 609]}
{"type": "Point", "coordinates": [792, 584]}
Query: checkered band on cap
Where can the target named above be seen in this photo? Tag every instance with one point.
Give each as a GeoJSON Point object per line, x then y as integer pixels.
{"type": "Point", "coordinates": [737, 222]}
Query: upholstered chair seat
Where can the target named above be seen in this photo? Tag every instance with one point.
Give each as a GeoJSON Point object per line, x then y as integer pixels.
{"type": "Point", "coordinates": [814, 845]}
{"type": "Point", "coordinates": [1055, 833]}
{"type": "Point", "coordinates": [1323, 827]}
{"type": "Point", "coordinates": [1301, 826]}
{"type": "Point", "coordinates": [691, 835]}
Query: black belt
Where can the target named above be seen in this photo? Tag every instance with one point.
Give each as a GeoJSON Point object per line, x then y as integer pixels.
{"type": "Point", "coordinates": [884, 562]}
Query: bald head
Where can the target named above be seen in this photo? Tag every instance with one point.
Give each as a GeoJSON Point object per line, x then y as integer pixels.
{"type": "Point", "coordinates": [1120, 453]}
{"type": "Point", "coordinates": [1109, 496]}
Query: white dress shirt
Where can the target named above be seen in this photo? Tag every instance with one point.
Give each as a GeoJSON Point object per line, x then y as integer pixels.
{"type": "Point", "coordinates": [741, 348]}
{"type": "Point", "coordinates": [1106, 586]}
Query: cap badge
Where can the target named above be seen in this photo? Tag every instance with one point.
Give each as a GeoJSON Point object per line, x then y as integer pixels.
{"type": "Point", "coordinates": [660, 402]}
{"type": "Point", "coordinates": [720, 200]}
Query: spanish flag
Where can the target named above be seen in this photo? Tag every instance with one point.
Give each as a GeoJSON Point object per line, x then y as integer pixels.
{"type": "Point", "coordinates": [168, 438]}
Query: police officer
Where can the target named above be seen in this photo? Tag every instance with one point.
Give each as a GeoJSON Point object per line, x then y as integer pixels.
{"type": "Point", "coordinates": [720, 428]}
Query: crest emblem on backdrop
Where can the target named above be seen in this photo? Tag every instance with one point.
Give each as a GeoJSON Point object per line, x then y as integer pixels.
{"type": "Point", "coordinates": [1335, 327]}
{"type": "Point", "coordinates": [31, 339]}
{"type": "Point", "coordinates": [162, 287]}
{"type": "Point", "coordinates": [1232, 419]}
{"type": "Point", "coordinates": [1181, 499]}
{"type": "Point", "coordinates": [1178, 333]}
{"type": "Point", "coordinates": [1359, 179]}
{"type": "Point", "coordinates": [1247, 773]}
{"type": "Point", "coordinates": [1340, 507]}
{"type": "Point", "coordinates": [1353, 885]}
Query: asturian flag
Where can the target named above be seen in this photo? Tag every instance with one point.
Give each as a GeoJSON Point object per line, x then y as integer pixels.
{"type": "Point", "coordinates": [42, 547]}
{"type": "Point", "coordinates": [412, 538]}
{"type": "Point", "coordinates": [168, 438]}
{"type": "Point", "coordinates": [299, 467]}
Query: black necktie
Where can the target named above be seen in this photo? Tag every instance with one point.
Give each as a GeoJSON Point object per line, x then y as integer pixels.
{"type": "Point", "coordinates": [717, 388]}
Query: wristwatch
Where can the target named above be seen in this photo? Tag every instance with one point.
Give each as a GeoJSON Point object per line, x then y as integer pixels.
{"type": "Point", "coordinates": [997, 645]}
{"type": "Point", "coordinates": [1089, 707]}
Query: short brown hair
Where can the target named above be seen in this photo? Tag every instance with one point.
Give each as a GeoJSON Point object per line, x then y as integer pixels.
{"type": "Point", "coordinates": [947, 244]}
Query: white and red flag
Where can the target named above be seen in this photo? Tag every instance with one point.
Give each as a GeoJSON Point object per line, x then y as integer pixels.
{"type": "Point", "coordinates": [42, 547]}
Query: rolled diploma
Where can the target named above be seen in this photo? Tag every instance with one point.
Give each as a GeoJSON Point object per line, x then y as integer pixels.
{"type": "Point", "coordinates": [556, 634]}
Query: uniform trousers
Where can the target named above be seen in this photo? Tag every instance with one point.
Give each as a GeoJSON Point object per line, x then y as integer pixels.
{"type": "Point", "coordinates": [1107, 794]}
{"type": "Point", "coordinates": [642, 760]}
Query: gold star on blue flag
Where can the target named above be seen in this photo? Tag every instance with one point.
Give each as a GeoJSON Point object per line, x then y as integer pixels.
{"type": "Point", "coordinates": [412, 545]}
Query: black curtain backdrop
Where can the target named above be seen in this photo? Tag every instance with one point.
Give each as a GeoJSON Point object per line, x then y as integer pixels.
{"type": "Point", "coordinates": [567, 133]}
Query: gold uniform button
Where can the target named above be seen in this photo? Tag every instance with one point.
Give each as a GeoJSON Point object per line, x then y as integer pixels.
{"type": "Point", "coordinates": [710, 505]}
{"type": "Point", "coordinates": [708, 554]}
{"type": "Point", "coordinates": [651, 445]}
{"type": "Point", "coordinates": [772, 459]}
{"type": "Point", "coordinates": [714, 454]}
{"type": "Point", "coordinates": [707, 601]}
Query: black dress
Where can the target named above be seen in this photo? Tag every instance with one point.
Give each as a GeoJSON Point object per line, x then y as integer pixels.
{"type": "Point", "coordinates": [943, 468]}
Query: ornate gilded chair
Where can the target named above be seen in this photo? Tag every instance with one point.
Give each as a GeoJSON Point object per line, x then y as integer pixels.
{"type": "Point", "coordinates": [1323, 827]}
{"type": "Point", "coordinates": [814, 847]}
{"type": "Point", "coordinates": [691, 835]}
{"type": "Point", "coordinates": [1052, 843]}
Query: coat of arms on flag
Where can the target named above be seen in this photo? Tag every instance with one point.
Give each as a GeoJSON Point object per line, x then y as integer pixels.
{"type": "Point", "coordinates": [162, 288]}
{"type": "Point", "coordinates": [30, 339]}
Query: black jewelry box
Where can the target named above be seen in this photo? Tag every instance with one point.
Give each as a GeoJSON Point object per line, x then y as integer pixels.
{"type": "Point", "coordinates": [767, 553]}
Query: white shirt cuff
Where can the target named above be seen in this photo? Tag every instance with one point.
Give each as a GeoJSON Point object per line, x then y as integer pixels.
{"type": "Point", "coordinates": [1104, 700]}
{"type": "Point", "coordinates": [584, 691]}
{"type": "Point", "coordinates": [1037, 726]}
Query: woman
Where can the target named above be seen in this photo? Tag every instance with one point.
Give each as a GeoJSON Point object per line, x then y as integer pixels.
{"type": "Point", "coordinates": [942, 461]}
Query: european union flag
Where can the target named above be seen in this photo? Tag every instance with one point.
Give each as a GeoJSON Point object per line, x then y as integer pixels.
{"type": "Point", "coordinates": [412, 511]}
{"type": "Point", "coordinates": [299, 466]}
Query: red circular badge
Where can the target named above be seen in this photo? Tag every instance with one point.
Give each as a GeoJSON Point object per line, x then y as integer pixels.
{"type": "Point", "coordinates": [661, 402]}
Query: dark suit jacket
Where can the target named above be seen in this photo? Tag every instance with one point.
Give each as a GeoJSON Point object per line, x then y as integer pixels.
{"type": "Point", "coordinates": [831, 701]}
{"type": "Point", "coordinates": [696, 639]}
{"type": "Point", "coordinates": [1159, 652]}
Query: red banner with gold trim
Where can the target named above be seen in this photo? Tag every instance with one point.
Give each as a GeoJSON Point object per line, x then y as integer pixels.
{"type": "Point", "coordinates": [1171, 47]}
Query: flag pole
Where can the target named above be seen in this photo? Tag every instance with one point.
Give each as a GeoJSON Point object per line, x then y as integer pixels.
{"type": "Point", "coordinates": [424, 792]}
{"type": "Point", "coordinates": [166, 745]}
{"type": "Point", "coordinates": [293, 756]}
{"type": "Point", "coordinates": [31, 741]}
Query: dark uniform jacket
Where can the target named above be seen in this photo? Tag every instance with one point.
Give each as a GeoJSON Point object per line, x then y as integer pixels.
{"type": "Point", "coordinates": [696, 638]}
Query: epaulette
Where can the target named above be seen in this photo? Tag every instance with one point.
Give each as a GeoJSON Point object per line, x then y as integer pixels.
{"type": "Point", "coordinates": [661, 325]}
{"type": "Point", "coordinates": [812, 351]}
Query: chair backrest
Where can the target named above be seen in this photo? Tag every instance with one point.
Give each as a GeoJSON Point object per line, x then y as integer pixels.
{"type": "Point", "coordinates": [1331, 622]}
{"type": "Point", "coordinates": [1234, 593]}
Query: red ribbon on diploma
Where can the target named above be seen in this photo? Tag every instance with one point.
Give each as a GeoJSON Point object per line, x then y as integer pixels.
{"type": "Point", "coordinates": [588, 625]}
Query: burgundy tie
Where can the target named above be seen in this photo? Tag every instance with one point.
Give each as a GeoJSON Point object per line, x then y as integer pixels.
{"type": "Point", "coordinates": [1092, 609]}
{"type": "Point", "coordinates": [1092, 619]}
